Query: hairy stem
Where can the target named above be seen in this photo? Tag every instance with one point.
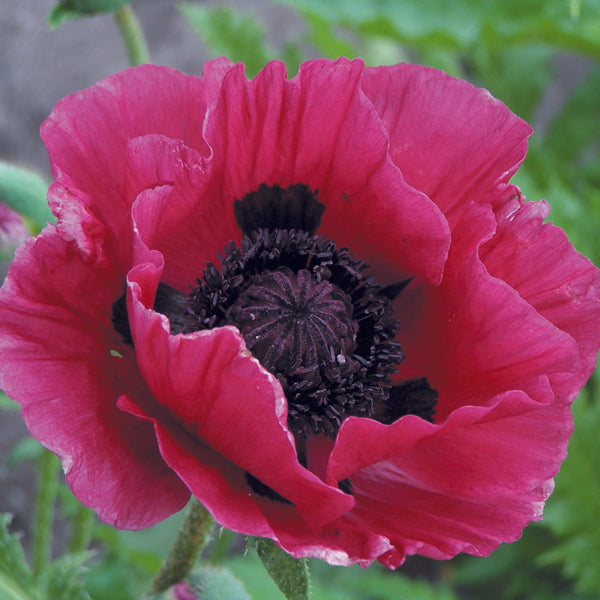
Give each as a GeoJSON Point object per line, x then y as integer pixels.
{"type": "Point", "coordinates": [192, 537]}
{"type": "Point", "coordinates": [82, 530]}
{"type": "Point", "coordinates": [133, 35]}
{"type": "Point", "coordinates": [48, 466]}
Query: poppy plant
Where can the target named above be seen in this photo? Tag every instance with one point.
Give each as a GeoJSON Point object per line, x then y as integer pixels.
{"type": "Point", "coordinates": [317, 304]}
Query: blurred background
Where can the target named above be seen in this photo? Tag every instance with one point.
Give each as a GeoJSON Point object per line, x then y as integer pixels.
{"type": "Point", "coordinates": [541, 57]}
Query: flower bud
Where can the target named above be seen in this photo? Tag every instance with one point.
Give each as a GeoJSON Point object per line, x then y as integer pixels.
{"type": "Point", "coordinates": [209, 583]}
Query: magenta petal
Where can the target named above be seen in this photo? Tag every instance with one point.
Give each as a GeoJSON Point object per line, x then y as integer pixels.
{"type": "Point", "coordinates": [465, 485]}
{"type": "Point", "coordinates": [451, 141]}
{"type": "Point", "coordinates": [209, 474]}
{"type": "Point", "coordinates": [76, 222]}
{"type": "Point", "coordinates": [320, 130]}
{"type": "Point", "coordinates": [66, 367]}
{"type": "Point", "coordinates": [220, 486]}
{"type": "Point", "coordinates": [208, 381]}
{"type": "Point", "coordinates": [475, 337]}
{"type": "Point", "coordinates": [538, 261]}
{"type": "Point", "coordinates": [172, 212]}
{"type": "Point", "coordinates": [87, 132]}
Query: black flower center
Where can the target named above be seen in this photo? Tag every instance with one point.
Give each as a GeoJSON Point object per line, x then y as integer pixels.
{"type": "Point", "coordinates": [310, 312]}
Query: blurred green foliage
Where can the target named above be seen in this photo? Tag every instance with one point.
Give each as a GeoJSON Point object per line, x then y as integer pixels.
{"type": "Point", "coordinates": [25, 192]}
{"type": "Point", "coordinates": [513, 48]}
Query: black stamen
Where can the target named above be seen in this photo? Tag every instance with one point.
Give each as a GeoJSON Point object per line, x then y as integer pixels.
{"type": "Point", "coordinates": [413, 397]}
{"type": "Point", "coordinates": [311, 313]}
{"type": "Point", "coordinates": [258, 487]}
{"type": "Point", "coordinates": [120, 320]}
{"type": "Point", "coordinates": [393, 291]}
{"type": "Point", "coordinates": [273, 207]}
{"type": "Point", "coordinates": [345, 485]}
{"type": "Point", "coordinates": [325, 331]}
{"type": "Point", "coordinates": [168, 301]}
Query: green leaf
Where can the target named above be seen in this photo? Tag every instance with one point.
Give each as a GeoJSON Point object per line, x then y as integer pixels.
{"type": "Point", "coordinates": [324, 38]}
{"type": "Point", "coordinates": [75, 9]}
{"type": "Point", "coordinates": [26, 448]}
{"type": "Point", "coordinates": [63, 579]}
{"type": "Point", "coordinates": [291, 575]}
{"type": "Point", "coordinates": [572, 512]}
{"type": "Point", "coordinates": [240, 38]}
{"type": "Point", "coordinates": [6, 403]}
{"type": "Point", "coordinates": [16, 579]}
{"type": "Point", "coordinates": [25, 192]}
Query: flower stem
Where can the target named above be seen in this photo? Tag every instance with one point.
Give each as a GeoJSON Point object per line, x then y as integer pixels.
{"type": "Point", "coordinates": [291, 575]}
{"type": "Point", "coordinates": [192, 537]}
{"type": "Point", "coordinates": [44, 510]}
{"type": "Point", "coordinates": [133, 35]}
{"type": "Point", "coordinates": [82, 530]}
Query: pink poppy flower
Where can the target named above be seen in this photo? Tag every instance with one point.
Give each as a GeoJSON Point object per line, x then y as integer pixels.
{"type": "Point", "coordinates": [380, 363]}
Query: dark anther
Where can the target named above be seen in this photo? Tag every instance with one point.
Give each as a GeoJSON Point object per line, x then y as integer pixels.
{"type": "Point", "coordinates": [413, 397]}
{"type": "Point", "coordinates": [258, 487]}
{"type": "Point", "coordinates": [168, 301]}
{"type": "Point", "coordinates": [311, 314]}
{"type": "Point", "coordinates": [120, 320]}
{"type": "Point", "coordinates": [273, 207]}
{"type": "Point", "coordinates": [173, 303]}
{"type": "Point", "coordinates": [391, 292]}
{"type": "Point", "coordinates": [345, 485]}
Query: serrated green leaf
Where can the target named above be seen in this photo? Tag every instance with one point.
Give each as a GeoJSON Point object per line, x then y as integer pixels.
{"type": "Point", "coordinates": [25, 192]}
{"type": "Point", "coordinates": [75, 9]}
{"type": "Point", "coordinates": [290, 575]}
{"type": "Point", "coordinates": [227, 33]}
{"type": "Point", "coordinates": [16, 579]}
{"type": "Point", "coordinates": [62, 580]}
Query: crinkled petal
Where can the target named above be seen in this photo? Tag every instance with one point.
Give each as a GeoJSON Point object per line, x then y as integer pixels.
{"type": "Point", "coordinates": [173, 212]}
{"type": "Point", "coordinates": [77, 223]}
{"type": "Point", "coordinates": [222, 488]}
{"type": "Point", "coordinates": [538, 261]}
{"type": "Point", "coordinates": [473, 336]}
{"type": "Point", "coordinates": [320, 130]}
{"type": "Point", "coordinates": [88, 132]}
{"type": "Point", "coordinates": [64, 364]}
{"type": "Point", "coordinates": [454, 142]}
{"type": "Point", "coordinates": [211, 385]}
{"type": "Point", "coordinates": [465, 485]}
